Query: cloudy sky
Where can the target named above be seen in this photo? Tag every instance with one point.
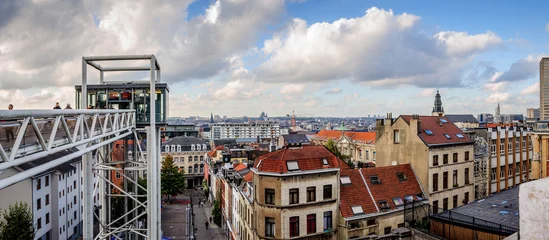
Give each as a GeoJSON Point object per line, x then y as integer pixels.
{"type": "Point", "coordinates": [327, 58]}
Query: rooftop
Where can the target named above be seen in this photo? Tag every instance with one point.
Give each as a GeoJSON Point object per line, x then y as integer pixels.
{"type": "Point", "coordinates": [296, 138]}
{"type": "Point", "coordinates": [358, 136]}
{"type": "Point", "coordinates": [306, 158]}
{"type": "Point", "coordinates": [438, 130]}
{"type": "Point", "coordinates": [468, 118]}
{"type": "Point", "coordinates": [389, 187]}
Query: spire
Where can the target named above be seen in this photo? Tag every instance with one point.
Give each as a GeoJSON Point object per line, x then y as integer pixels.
{"type": "Point", "coordinates": [212, 118]}
{"type": "Point", "coordinates": [438, 110]}
{"type": "Point", "coordinates": [497, 117]}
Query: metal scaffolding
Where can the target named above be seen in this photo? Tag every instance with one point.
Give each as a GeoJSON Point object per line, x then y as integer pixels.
{"type": "Point", "coordinates": [92, 132]}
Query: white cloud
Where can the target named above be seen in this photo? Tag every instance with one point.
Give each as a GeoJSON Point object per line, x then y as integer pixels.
{"type": "Point", "coordinates": [368, 48]}
{"type": "Point", "coordinates": [531, 90]}
{"type": "Point", "coordinates": [495, 86]}
{"type": "Point", "coordinates": [427, 92]}
{"type": "Point", "coordinates": [334, 91]}
{"type": "Point", "coordinates": [522, 69]}
{"type": "Point", "coordinates": [498, 97]}
{"type": "Point", "coordinates": [292, 89]}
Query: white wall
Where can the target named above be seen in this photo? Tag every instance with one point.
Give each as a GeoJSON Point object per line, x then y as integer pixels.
{"type": "Point", "coordinates": [534, 210]}
{"type": "Point", "coordinates": [41, 213]}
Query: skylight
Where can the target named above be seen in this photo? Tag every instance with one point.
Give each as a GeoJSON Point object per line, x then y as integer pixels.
{"type": "Point", "coordinates": [408, 198]}
{"type": "Point", "coordinates": [401, 177]}
{"type": "Point", "coordinates": [419, 196]}
{"type": "Point", "coordinates": [375, 180]}
{"type": "Point", "coordinates": [357, 210]}
{"type": "Point", "coordinates": [292, 165]}
{"type": "Point", "coordinates": [345, 180]}
{"type": "Point", "coordinates": [447, 136]}
{"type": "Point", "coordinates": [398, 201]}
{"type": "Point", "coordinates": [429, 132]}
{"type": "Point", "coordinates": [459, 135]}
{"type": "Point", "coordinates": [325, 161]}
{"type": "Point", "coordinates": [443, 120]}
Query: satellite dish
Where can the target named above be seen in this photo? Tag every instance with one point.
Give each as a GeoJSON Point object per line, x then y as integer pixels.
{"type": "Point", "coordinates": [394, 163]}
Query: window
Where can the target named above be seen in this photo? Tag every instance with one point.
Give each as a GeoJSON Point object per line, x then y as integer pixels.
{"type": "Point", "coordinates": [357, 210]}
{"type": "Point", "coordinates": [74, 200]}
{"type": "Point", "coordinates": [47, 181]}
{"type": "Point", "coordinates": [38, 204]}
{"type": "Point", "coordinates": [375, 180]}
{"type": "Point", "coordinates": [435, 182]}
{"type": "Point", "coordinates": [190, 169]}
{"type": "Point", "coordinates": [467, 176]}
{"type": "Point", "coordinates": [292, 165]}
{"type": "Point", "coordinates": [294, 226]}
{"type": "Point", "coordinates": [387, 230]}
{"type": "Point", "coordinates": [443, 120]}
{"type": "Point", "coordinates": [371, 222]}
{"type": "Point", "coordinates": [466, 155]}
{"type": "Point", "coordinates": [398, 201]}
{"type": "Point", "coordinates": [74, 184]}
{"type": "Point", "coordinates": [47, 218]}
{"type": "Point", "coordinates": [445, 180]}
{"type": "Point", "coordinates": [455, 157]}
{"type": "Point", "coordinates": [294, 196]}
{"type": "Point", "coordinates": [384, 205]}
{"type": "Point", "coordinates": [396, 136]}
{"type": "Point", "coordinates": [408, 198]}
{"type": "Point", "coordinates": [455, 178]}
{"type": "Point", "coordinates": [311, 223]}
{"type": "Point", "coordinates": [466, 198]}
{"type": "Point", "coordinates": [445, 159]}
{"type": "Point", "coordinates": [447, 136]}
{"type": "Point", "coordinates": [435, 160]}
{"type": "Point", "coordinates": [324, 161]}
{"type": "Point", "coordinates": [39, 223]}
{"type": "Point", "coordinates": [167, 148]}
{"type": "Point", "coordinates": [74, 215]}
{"type": "Point", "coordinates": [493, 174]}
{"type": "Point", "coordinates": [47, 199]}
{"type": "Point", "coordinates": [429, 132]}
{"type": "Point", "coordinates": [117, 175]}
{"type": "Point", "coordinates": [328, 220]}
{"type": "Point", "coordinates": [311, 194]}
{"type": "Point", "coordinates": [435, 207]}
{"type": "Point", "coordinates": [327, 192]}
{"type": "Point", "coordinates": [401, 177]}
{"type": "Point", "coordinates": [445, 204]}
{"type": "Point", "coordinates": [269, 227]}
{"type": "Point", "coordinates": [345, 180]}
{"type": "Point", "coordinates": [455, 201]}
{"type": "Point", "coordinates": [38, 184]}
{"type": "Point", "coordinates": [419, 196]}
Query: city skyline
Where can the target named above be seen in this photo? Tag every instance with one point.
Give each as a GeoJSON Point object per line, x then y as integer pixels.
{"type": "Point", "coordinates": [238, 58]}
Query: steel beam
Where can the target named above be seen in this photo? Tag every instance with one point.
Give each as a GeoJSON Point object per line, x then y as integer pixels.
{"type": "Point", "coordinates": [125, 69]}
{"type": "Point", "coordinates": [119, 57]}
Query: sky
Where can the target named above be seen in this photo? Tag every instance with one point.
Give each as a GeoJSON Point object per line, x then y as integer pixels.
{"type": "Point", "coordinates": [315, 57]}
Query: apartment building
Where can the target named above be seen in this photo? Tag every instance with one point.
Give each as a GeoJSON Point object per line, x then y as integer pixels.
{"type": "Point", "coordinates": [544, 89]}
{"type": "Point", "coordinates": [360, 146]}
{"type": "Point", "coordinates": [188, 155]}
{"type": "Point", "coordinates": [383, 193]}
{"type": "Point", "coordinates": [503, 158]}
{"type": "Point", "coordinates": [243, 208]}
{"type": "Point", "coordinates": [438, 151]}
{"type": "Point", "coordinates": [262, 129]}
{"type": "Point", "coordinates": [54, 197]}
{"type": "Point", "coordinates": [296, 194]}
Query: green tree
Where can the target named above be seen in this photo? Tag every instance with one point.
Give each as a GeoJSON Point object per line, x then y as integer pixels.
{"type": "Point", "coordinates": [17, 222]}
{"type": "Point", "coordinates": [216, 210]}
{"type": "Point", "coordinates": [332, 147]}
{"type": "Point", "coordinates": [172, 180]}
{"type": "Point", "coordinates": [351, 164]}
{"type": "Point", "coordinates": [205, 187]}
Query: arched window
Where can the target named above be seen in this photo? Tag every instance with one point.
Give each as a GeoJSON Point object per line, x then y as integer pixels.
{"type": "Point", "coordinates": [173, 148]}
{"type": "Point", "coordinates": [367, 155]}
{"type": "Point", "coordinates": [167, 148]}
{"type": "Point", "coordinates": [192, 147]}
{"type": "Point", "coordinates": [178, 148]}
{"type": "Point", "coordinates": [198, 147]}
{"type": "Point", "coordinates": [205, 148]}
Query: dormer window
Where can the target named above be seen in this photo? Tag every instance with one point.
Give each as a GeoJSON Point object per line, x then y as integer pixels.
{"type": "Point", "coordinates": [173, 148]}
{"type": "Point", "coordinates": [167, 148]}
{"type": "Point", "coordinates": [401, 177]}
{"type": "Point", "coordinates": [179, 148]}
{"type": "Point", "coordinates": [383, 205]}
{"type": "Point", "coordinates": [192, 147]}
{"type": "Point", "coordinates": [375, 179]}
{"type": "Point", "coordinates": [204, 147]}
{"type": "Point", "coordinates": [198, 147]}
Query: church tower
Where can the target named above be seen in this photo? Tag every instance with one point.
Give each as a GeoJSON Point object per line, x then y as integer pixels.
{"type": "Point", "coordinates": [497, 116]}
{"type": "Point", "coordinates": [438, 110]}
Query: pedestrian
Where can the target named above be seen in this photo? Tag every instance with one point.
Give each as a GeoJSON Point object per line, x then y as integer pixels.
{"type": "Point", "coordinates": [207, 225]}
{"type": "Point", "coordinates": [210, 219]}
{"type": "Point", "coordinates": [9, 130]}
{"type": "Point", "coordinates": [68, 106]}
{"type": "Point", "coordinates": [57, 106]}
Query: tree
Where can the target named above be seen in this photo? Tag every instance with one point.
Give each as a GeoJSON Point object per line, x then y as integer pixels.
{"type": "Point", "coordinates": [17, 222]}
{"type": "Point", "coordinates": [216, 210]}
{"type": "Point", "coordinates": [205, 187]}
{"type": "Point", "coordinates": [171, 179]}
{"type": "Point", "coordinates": [332, 147]}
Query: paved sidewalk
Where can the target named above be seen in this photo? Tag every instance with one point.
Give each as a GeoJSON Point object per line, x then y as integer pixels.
{"type": "Point", "coordinates": [202, 215]}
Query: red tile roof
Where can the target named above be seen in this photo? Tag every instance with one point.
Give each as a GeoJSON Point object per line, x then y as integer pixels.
{"type": "Point", "coordinates": [389, 188]}
{"type": "Point", "coordinates": [240, 166]}
{"type": "Point", "coordinates": [438, 128]}
{"type": "Point", "coordinates": [493, 125]}
{"type": "Point", "coordinates": [248, 177]}
{"type": "Point", "coordinates": [367, 137]}
{"type": "Point", "coordinates": [333, 134]}
{"type": "Point", "coordinates": [308, 158]}
{"type": "Point", "coordinates": [213, 153]}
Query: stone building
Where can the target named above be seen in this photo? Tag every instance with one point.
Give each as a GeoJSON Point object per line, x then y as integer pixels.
{"type": "Point", "coordinates": [360, 146]}
{"type": "Point", "coordinates": [296, 194]}
{"type": "Point", "coordinates": [188, 155]}
{"type": "Point", "coordinates": [380, 209]}
{"type": "Point", "coordinates": [438, 151]}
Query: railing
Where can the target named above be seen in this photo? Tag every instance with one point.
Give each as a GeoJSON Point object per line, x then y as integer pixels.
{"type": "Point", "coordinates": [474, 222]}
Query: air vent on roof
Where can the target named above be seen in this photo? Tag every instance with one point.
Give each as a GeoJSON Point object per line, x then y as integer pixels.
{"type": "Point", "coordinates": [401, 177]}
{"type": "Point", "coordinates": [292, 165]}
{"type": "Point", "coordinates": [357, 210]}
{"type": "Point", "coordinates": [375, 180]}
{"type": "Point", "coordinates": [429, 132]}
{"type": "Point", "coordinates": [345, 180]}
{"type": "Point", "coordinates": [459, 135]}
{"type": "Point", "coordinates": [447, 136]}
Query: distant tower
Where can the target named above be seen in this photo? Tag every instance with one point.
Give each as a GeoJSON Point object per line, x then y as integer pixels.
{"type": "Point", "coordinates": [497, 117]}
{"type": "Point", "coordinates": [212, 118]}
{"type": "Point", "coordinates": [438, 110]}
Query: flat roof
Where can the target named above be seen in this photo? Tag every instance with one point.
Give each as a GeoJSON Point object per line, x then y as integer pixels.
{"type": "Point", "coordinates": [122, 86]}
{"type": "Point", "coordinates": [500, 208]}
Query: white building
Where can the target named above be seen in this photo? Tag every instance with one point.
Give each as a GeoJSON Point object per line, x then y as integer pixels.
{"type": "Point", "coordinates": [52, 196]}
{"type": "Point", "coordinates": [245, 130]}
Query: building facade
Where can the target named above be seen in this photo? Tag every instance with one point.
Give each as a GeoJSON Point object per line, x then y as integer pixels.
{"type": "Point", "coordinates": [188, 155]}
{"type": "Point", "coordinates": [438, 151]}
{"type": "Point", "coordinates": [296, 194]}
{"type": "Point", "coordinates": [244, 130]}
{"type": "Point", "coordinates": [532, 113]}
{"type": "Point", "coordinates": [463, 121]}
{"type": "Point", "coordinates": [544, 89]}
{"type": "Point", "coordinates": [359, 146]}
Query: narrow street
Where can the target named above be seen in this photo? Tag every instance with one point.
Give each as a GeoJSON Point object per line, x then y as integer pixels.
{"type": "Point", "coordinates": [202, 215]}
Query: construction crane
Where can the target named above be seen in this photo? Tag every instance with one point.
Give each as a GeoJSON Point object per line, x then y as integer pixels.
{"type": "Point", "coordinates": [293, 115]}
